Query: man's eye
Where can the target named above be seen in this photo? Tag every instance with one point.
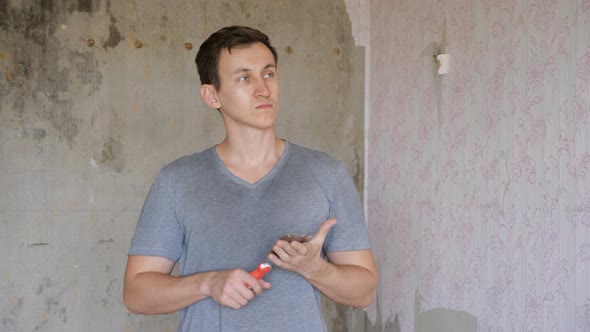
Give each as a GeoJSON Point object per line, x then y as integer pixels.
{"type": "Point", "coordinates": [269, 75]}
{"type": "Point", "coordinates": [243, 79]}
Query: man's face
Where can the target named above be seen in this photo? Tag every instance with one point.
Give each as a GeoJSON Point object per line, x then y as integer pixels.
{"type": "Point", "coordinates": [248, 93]}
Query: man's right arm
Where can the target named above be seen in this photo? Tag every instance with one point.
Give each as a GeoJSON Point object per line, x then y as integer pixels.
{"type": "Point", "coordinates": [150, 289]}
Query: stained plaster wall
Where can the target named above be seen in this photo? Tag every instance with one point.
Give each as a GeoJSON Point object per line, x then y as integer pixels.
{"type": "Point", "coordinates": [84, 128]}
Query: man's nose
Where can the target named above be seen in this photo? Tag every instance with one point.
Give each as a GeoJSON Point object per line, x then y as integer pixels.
{"type": "Point", "coordinates": [262, 89]}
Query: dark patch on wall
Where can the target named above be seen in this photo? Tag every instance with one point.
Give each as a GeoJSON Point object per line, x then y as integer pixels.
{"type": "Point", "coordinates": [112, 155]}
{"type": "Point", "coordinates": [62, 120]}
{"type": "Point", "coordinates": [85, 6]}
{"type": "Point", "coordinates": [39, 134]}
{"type": "Point", "coordinates": [9, 323]}
{"type": "Point", "coordinates": [114, 34]}
{"type": "Point", "coordinates": [31, 54]}
{"type": "Point", "coordinates": [114, 37]}
{"type": "Point", "coordinates": [39, 244]}
{"type": "Point", "coordinates": [105, 300]}
{"type": "Point", "coordinates": [3, 7]}
{"type": "Point", "coordinates": [46, 4]}
{"type": "Point", "coordinates": [86, 70]}
{"type": "Point", "coordinates": [52, 304]}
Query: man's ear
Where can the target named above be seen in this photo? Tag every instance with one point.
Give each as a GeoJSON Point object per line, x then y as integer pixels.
{"type": "Point", "coordinates": [209, 95]}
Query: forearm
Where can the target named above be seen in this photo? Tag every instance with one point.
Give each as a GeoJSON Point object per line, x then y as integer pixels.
{"type": "Point", "coordinates": [346, 284]}
{"type": "Point", "coordinates": [159, 293]}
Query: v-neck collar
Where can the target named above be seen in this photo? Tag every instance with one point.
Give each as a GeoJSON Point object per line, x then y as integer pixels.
{"type": "Point", "coordinates": [265, 179]}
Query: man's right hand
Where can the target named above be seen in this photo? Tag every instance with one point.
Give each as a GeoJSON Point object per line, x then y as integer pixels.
{"type": "Point", "coordinates": [150, 289]}
{"type": "Point", "coordinates": [229, 288]}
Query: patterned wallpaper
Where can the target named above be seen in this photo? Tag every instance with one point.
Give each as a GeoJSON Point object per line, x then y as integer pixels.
{"type": "Point", "coordinates": [479, 180]}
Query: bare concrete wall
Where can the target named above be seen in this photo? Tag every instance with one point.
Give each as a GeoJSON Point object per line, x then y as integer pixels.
{"type": "Point", "coordinates": [95, 96]}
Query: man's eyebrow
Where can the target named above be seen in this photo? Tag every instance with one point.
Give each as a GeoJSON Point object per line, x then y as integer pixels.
{"type": "Point", "coordinates": [241, 70]}
{"type": "Point", "coordinates": [247, 70]}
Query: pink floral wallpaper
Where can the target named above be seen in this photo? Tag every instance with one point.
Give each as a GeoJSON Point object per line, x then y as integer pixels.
{"type": "Point", "coordinates": [479, 180]}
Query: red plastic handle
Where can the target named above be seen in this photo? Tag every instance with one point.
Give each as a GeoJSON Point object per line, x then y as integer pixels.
{"type": "Point", "coordinates": [260, 271]}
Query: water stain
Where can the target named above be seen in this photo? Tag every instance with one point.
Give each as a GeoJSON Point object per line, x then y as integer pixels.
{"type": "Point", "coordinates": [51, 303]}
{"type": "Point", "coordinates": [47, 4]}
{"type": "Point", "coordinates": [114, 34]}
{"type": "Point", "coordinates": [63, 314]}
{"type": "Point", "coordinates": [39, 134]}
{"type": "Point", "coordinates": [85, 6]}
{"type": "Point", "coordinates": [105, 241]}
{"type": "Point", "coordinates": [62, 120]}
{"type": "Point", "coordinates": [105, 300]}
{"type": "Point", "coordinates": [86, 70]}
{"type": "Point", "coordinates": [114, 37]}
{"type": "Point", "coordinates": [15, 308]}
{"type": "Point", "coordinates": [35, 76]}
{"type": "Point", "coordinates": [39, 289]}
{"type": "Point", "coordinates": [4, 7]}
{"type": "Point", "coordinates": [112, 155]}
{"type": "Point", "coordinates": [38, 244]}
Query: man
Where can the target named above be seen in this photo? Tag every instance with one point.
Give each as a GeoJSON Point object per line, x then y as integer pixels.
{"type": "Point", "coordinates": [221, 211]}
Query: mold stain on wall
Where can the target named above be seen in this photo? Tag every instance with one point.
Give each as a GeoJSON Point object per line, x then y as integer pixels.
{"type": "Point", "coordinates": [39, 70]}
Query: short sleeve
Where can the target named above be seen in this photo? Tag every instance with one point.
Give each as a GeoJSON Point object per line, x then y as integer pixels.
{"type": "Point", "coordinates": [158, 231]}
{"type": "Point", "coordinates": [350, 231]}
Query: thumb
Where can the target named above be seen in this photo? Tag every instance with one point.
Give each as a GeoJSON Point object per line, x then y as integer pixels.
{"type": "Point", "coordinates": [320, 236]}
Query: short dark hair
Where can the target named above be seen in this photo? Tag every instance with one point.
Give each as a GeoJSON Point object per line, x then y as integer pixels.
{"type": "Point", "coordinates": [207, 59]}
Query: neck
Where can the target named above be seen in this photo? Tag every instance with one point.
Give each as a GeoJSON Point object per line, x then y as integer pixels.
{"type": "Point", "coordinates": [253, 148]}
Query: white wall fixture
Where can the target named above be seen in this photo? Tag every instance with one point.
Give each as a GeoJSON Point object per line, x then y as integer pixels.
{"type": "Point", "coordinates": [443, 61]}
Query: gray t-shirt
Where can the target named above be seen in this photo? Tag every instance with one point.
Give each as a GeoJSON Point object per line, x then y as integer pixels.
{"type": "Point", "coordinates": [200, 214]}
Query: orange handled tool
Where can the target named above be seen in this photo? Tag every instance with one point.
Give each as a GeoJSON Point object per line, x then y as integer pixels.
{"type": "Point", "coordinates": [261, 270]}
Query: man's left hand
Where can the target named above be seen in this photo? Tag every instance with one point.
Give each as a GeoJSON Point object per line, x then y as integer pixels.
{"type": "Point", "coordinates": [303, 258]}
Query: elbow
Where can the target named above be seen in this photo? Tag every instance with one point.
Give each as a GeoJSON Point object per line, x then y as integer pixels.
{"type": "Point", "coordinates": [366, 300]}
{"type": "Point", "coordinates": [131, 305]}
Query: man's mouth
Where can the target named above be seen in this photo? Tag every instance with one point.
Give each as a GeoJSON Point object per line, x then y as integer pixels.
{"type": "Point", "coordinates": [264, 106]}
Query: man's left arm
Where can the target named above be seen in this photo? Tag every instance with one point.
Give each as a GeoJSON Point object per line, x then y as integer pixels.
{"type": "Point", "coordinates": [347, 277]}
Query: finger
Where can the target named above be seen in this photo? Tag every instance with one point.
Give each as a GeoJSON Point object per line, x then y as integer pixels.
{"type": "Point", "coordinates": [274, 259]}
{"type": "Point", "coordinates": [244, 294]}
{"type": "Point", "coordinates": [320, 236]}
{"type": "Point", "coordinates": [256, 287]}
{"type": "Point", "coordinates": [265, 284]}
{"type": "Point", "coordinates": [252, 285]}
{"type": "Point", "coordinates": [278, 261]}
{"type": "Point", "coordinates": [233, 301]}
{"type": "Point", "coordinates": [232, 304]}
{"type": "Point", "coordinates": [301, 249]}
{"type": "Point", "coordinates": [281, 253]}
{"type": "Point", "coordinates": [289, 249]}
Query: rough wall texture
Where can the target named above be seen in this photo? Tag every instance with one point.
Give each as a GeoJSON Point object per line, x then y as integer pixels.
{"type": "Point", "coordinates": [479, 184]}
{"type": "Point", "coordinates": [95, 96]}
